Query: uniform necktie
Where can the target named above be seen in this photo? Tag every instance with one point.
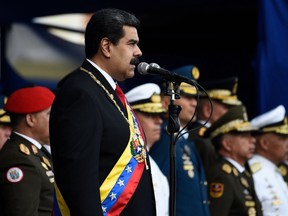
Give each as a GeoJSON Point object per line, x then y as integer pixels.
{"type": "Point", "coordinates": [121, 95]}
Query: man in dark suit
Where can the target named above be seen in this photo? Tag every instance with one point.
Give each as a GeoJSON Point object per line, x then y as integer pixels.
{"type": "Point", "coordinates": [27, 179]}
{"type": "Point", "coordinates": [99, 153]}
{"type": "Point", "coordinates": [231, 188]}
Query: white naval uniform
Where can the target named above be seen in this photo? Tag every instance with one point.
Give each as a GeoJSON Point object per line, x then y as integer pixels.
{"type": "Point", "coordinates": [270, 186]}
{"type": "Point", "coordinates": [161, 189]}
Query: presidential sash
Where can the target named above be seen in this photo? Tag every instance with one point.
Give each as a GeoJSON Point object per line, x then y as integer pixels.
{"type": "Point", "coordinates": [121, 183]}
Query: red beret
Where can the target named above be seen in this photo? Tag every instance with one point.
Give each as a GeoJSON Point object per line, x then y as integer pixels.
{"type": "Point", "coordinates": [29, 100]}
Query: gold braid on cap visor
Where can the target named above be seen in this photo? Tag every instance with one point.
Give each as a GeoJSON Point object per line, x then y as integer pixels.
{"type": "Point", "coordinates": [149, 107]}
{"type": "Point", "coordinates": [225, 96]}
{"type": "Point", "coordinates": [283, 129]}
{"type": "Point", "coordinates": [4, 117]}
{"type": "Point", "coordinates": [188, 89]}
{"type": "Point", "coordinates": [237, 124]}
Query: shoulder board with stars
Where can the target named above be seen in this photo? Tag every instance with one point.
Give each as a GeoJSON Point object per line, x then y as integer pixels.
{"type": "Point", "coordinates": [227, 168]}
{"type": "Point", "coordinates": [255, 167]}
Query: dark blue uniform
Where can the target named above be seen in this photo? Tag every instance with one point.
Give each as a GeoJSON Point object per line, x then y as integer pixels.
{"type": "Point", "coordinates": [191, 185]}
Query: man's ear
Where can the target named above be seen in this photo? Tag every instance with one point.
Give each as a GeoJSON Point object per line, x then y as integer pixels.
{"type": "Point", "coordinates": [226, 144]}
{"type": "Point", "coordinates": [264, 142]}
{"type": "Point", "coordinates": [105, 47]}
{"type": "Point", "coordinates": [30, 120]}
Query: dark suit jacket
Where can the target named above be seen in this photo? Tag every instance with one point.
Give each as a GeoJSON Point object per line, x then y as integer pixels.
{"type": "Point", "coordinates": [31, 194]}
{"type": "Point", "coordinates": [88, 136]}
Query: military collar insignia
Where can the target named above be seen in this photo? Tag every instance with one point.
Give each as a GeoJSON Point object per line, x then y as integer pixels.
{"type": "Point", "coordinates": [227, 168]}
{"type": "Point", "coordinates": [24, 149]}
{"type": "Point", "coordinates": [34, 149]}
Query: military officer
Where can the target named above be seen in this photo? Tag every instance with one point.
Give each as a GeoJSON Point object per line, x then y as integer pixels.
{"type": "Point", "coordinates": [27, 179]}
{"type": "Point", "coordinates": [191, 185]}
{"type": "Point", "coordinates": [221, 96]}
{"type": "Point", "coordinates": [271, 150]}
{"type": "Point", "coordinates": [230, 189]}
{"type": "Point", "coordinates": [5, 123]}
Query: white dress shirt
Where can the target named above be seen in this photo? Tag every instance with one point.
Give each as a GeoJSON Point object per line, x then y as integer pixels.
{"type": "Point", "coordinates": [161, 189]}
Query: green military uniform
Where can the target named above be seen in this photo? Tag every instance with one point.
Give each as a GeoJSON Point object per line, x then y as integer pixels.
{"type": "Point", "coordinates": [26, 181]}
{"type": "Point", "coordinates": [230, 192]}
{"type": "Point", "coordinates": [231, 186]}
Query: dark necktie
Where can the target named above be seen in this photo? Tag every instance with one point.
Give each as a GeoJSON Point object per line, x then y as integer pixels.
{"type": "Point", "coordinates": [46, 152]}
{"type": "Point", "coordinates": [120, 94]}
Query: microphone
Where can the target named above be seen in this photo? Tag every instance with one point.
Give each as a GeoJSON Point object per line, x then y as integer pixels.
{"type": "Point", "coordinates": [154, 69]}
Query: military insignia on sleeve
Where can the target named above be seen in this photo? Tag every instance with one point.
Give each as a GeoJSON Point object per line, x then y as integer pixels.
{"type": "Point", "coordinates": [24, 149]}
{"type": "Point", "coordinates": [216, 190]}
{"type": "Point", "coordinates": [227, 168]}
{"type": "Point", "coordinates": [255, 167]}
{"type": "Point", "coordinates": [14, 175]}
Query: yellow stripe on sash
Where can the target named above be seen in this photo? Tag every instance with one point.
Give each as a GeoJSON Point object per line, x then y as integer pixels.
{"type": "Point", "coordinates": [61, 202]}
{"type": "Point", "coordinates": [126, 156]}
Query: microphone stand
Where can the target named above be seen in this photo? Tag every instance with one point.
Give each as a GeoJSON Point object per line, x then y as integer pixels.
{"type": "Point", "coordinates": [173, 127]}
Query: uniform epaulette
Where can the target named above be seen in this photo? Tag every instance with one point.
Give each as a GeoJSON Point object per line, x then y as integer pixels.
{"type": "Point", "coordinates": [24, 149]}
{"type": "Point", "coordinates": [255, 167]}
{"type": "Point", "coordinates": [227, 168]}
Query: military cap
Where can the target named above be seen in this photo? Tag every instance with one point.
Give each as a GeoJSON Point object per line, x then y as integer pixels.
{"type": "Point", "coordinates": [235, 120]}
{"type": "Point", "coordinates": [146, 98]}
{"type": "Point", "coordinates": [274, 121]}
{"type": "Point", "coordinates": [4, 117]}
{"type": "Point", "coordinates": [223, 90]}
{"type": "Point", "coordinates": [192, 72]}
{"type": "Point", "coordinates": [29, 100]}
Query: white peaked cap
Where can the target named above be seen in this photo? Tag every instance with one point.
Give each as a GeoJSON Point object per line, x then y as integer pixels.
{"type": "Point", "coordinates": [271, 117]}
{"type": "Point", "coordinates": [146, 98]}
{"type": "Point", "coordinates": [142, 92]}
